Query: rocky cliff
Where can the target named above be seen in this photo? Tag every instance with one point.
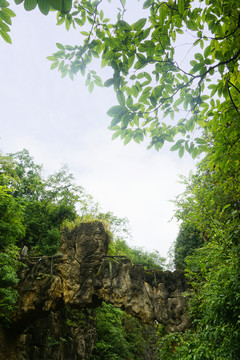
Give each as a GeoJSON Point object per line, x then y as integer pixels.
{"type": "Point", "coordinates": [54, 291]}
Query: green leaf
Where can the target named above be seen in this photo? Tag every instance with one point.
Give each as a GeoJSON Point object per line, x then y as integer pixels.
{"type": "Point", "coordinates": [56, 4]}
{"type": "Point", "coordinates": [91, 87]}
{"type": "Point", "coordinates": [137, 26]}
{"type": "Point", "coordinates": [115, 121]}
{"type": "Point", "coordinates": [4, 27]}
{"type": "Point", "coordinates": [9, 12]}
{"type": "Point", "coordinates": [200, 141]}
{"type": "Point", "coordinates": [162, 14]}
{"type": "Point", "coordinates": [5, 17]}
{"type": "Point", "coordinates": [181, 6]}
{"type": "Point", "coordinates": [5, 36]}
{"type": "Point", "coordinates": [178, 101]}
{"type": "Point", "coordinates": [67, 5]}
{"type": "Point", "coordinates": [54, 65]}
{"type": "Point", "coordinates": [198, 56]}
{"type": "Point", "coordinates": [18, 1]}
{"type": "Point", "coordinates": [181, 152]}
{"type": "Point", "coordinates": [207, 51]}
{"type": "Point", "coordinates": [44, 6]}
{"type": "Point", "coordinates": [116, 134]}
{"type": "Point", "coordinates": [52, 58]}
{"type": "Point", "coordinates": [124, 25]}
{"type": "Point", "coordinates": [4, 3]}
{"type": "Point", "coordinates": [116, 110]}
{"type": "Point", "coordinates": [147, 4]}
{"type": "Point", "coordinates": [121, 98]}
{"type": "Point", "coordinates": [67, 24]}
{"type": "Point", "coordinates": [141, 58]}
{"type": "Point", "coordinates": [177, 145]}
{"type": "Point", "coordinates": [131, 61]}
{"type": "Point", "coordinates": [128, 138]}
{"type": "Point", "coordinates": [30, 4]}
{"type": "Point", "coordinates": [60, 46]}
{"type": "Point", "coordinates": [61, 21]}
{"type": "Point", "coordinates": [109, 82]}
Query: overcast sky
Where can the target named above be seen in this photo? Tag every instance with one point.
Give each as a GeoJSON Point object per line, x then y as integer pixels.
{"type": "Point", "coordinates": [59, 122]}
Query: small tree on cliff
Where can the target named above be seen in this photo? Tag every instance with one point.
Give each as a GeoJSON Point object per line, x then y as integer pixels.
{"type": "Point", "coordinates": [189, 238]}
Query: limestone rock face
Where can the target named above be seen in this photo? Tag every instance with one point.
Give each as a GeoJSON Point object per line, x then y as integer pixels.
{"type": "Point", "coordinates": [81, 276]}
{"type": "Point", "coordinates": [150, 295]}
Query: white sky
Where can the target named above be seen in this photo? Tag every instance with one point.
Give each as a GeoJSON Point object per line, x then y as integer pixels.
{"type": "Point", "coordinates": [59, 122]}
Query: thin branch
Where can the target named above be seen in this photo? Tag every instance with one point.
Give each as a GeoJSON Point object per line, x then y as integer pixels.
{"type": "Point", "coordinates": [234, 86]}
{"type": "Point", "coordinates": [124, 9]}
{"type": "Point", "coordinates": [229, 93]}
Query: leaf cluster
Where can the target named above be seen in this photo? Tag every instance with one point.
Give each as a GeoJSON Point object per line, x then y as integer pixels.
{"type": "Point", "coordinates": [6, 15]}
{"type": "Point", "coordinates": [150, 85]}
{"type": "Point", "coordinates": [211, 205]}
{"type": "Point", "coordinates": [64, 6]}
{"type": "Point", "coordinates": [120, 336]}
{"type": "Point", "coordinates": [149, 260]}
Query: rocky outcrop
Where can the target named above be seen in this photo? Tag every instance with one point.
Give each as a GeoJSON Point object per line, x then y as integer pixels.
{"type": "Point", "coordinates": [80, 277]}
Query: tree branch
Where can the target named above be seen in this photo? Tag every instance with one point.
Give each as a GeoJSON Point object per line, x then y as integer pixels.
{"type": "Point", "coordinates": [229, 93]}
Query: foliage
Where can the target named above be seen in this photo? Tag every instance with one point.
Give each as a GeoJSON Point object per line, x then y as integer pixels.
{"type": "Point", "coordinates": [120, 336]}
{"type": "Point", "coordinates": [150, 85]}
{"type": "Point", "coordinates": [11, 215]}
{"type": "Point", "coordinates": [45, 204]}
{"type": "Point", "coordinates": [211, 203]}
{"type": "Point", "coordinates": [147, 259]}
{"type": "Point", "coordinates": [112, 343]}
{"type": "Point", "coordinates": [214, 308]}
{"type": "Point", "coordinates": [45, 6]}
{"type": "Point", "coordinates": [76, 317]}
{"type": "Point", "coordinates": [5, 20]}
{"type": "Point", "coordinates": [9, 265]}
{"type": "Point", "coordinates": [188, 239]}
{"type": "Point", "coordinates": [11, 229]}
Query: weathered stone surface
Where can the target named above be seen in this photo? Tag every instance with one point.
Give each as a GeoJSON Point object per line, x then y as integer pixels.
{"type": "Point", "coordinates": [81, 276]}
{"type": "Point", "coordinates": [50, 338]}
{"type": "Point", "coordinates": [149, 295]}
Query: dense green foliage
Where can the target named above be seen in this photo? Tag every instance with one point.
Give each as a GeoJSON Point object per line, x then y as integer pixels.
{"type": "Point", "coordinates": [11, 229]}
{"type": "Point", "coordinates": [5, 20]}
{"type": "Point", "coordinates": [64, 6]}
{"type": "Point", "coordinates": [150, 260]}
{"type": "Point", "coordinates": [46, 5]}
{"type": "Point", "coordinates": [152, 81]}
{"type": "Point", "coordinates": [211, 204]}
{"type": "Point", "coordinates": [121, 337]}
{"type": "Point", "coordinates": [188, 239]}
{"type": "Point", "coordinates": [45, 204]}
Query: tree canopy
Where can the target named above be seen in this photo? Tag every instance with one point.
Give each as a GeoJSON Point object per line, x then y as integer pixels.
{"type": "Point", "coordinates": [152, 81]}
{"type": "Point", "coordinates": [163, 96]}
{"type": "Point", "coordinates": [210, 208]}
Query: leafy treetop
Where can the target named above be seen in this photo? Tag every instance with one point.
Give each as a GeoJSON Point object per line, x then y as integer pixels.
{"type": "Point", "coordinates": [150, 83]}
{"type": "Point", "coordinates": [151, 80]}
